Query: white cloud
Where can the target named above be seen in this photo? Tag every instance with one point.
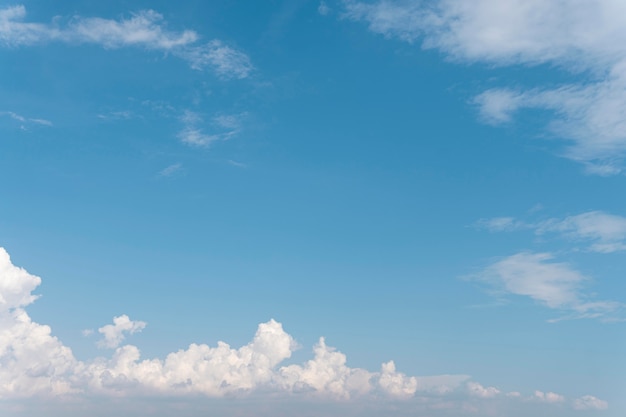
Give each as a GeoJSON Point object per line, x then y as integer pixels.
{"type": "Point", "coordinates": [26, 120]}
{"type": "Point", "coordinates": [37, 364]}
{"type": "Point", "coordinates": [585, 38]}
{"type": "Point", "coordinates": [226, 61]}
{"type": "Point", "coordinates": [323, 8]}
{"type": "Point", "coordinates": [145, 29]}
{"type": "Point", "coordinates": [114, 334]}
{"type": "Point", "coordinates": [553, 284]}
{"type": "Point", "coordinates": [225, 127]}
{"type": "Point", "coordinates": [477, 390]}
{"type": "Point", "coordinates": [607, 232]}
{"type": "Point", "coordinates": [237, 164]}
{"type": "Point", "coordinates": [548, 397]}
{"type": "Point", "coordinates": [170, 170]}
{"type": "Point", "coordinates": [604, 232]}
{"type": "Point", "coordinates": [589, 402]}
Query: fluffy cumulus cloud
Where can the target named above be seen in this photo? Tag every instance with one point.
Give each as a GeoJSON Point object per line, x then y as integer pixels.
{"type": "Point", "coordinates": [554, 284]}
{"type": "Point", "coordinates": [589, 402]}
{"type": "Point", "coordinates": [36, 364]}
{"type": "Point", "coordinates": [146, 29]}
{"type": "Point", "coordinates": [548, 397]}
{"type": "Point", "coordinates": [114, 334]}
{"type": "Point", "coordinates": [586, 38]}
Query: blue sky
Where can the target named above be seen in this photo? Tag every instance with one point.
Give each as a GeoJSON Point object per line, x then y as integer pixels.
{"type": "Point", "coordinates": [433, 188]}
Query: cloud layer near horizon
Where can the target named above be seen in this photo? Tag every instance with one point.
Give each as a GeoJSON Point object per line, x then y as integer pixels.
{"type": "Point", "coordinates": [35, 363]}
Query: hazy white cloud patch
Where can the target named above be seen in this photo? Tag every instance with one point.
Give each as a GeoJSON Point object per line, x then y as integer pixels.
{"type": "Point", "coordinates": [237, 164]}
{"type": "Point", "coordinates": [589, 402]}
{"type": "Point", "coordinates": [477, 390]}
{"type": "Point", "coordinates": [601, 232]}
{"type": "Point", "coordinates": [548, 397]}
{"type": "Point", "coordinates": [37, 364]}
{"type": "Point", "coordinates": [225, 61]}
{"type": "Point", "coordinates": [223, 127]}
{"type": "Point", "coordinates": [114, 334]}
{"type": "Point", "coordinates": [323, 8]}
{"type": "Point", "coordinates": [146, 29]}
{"type": "Point", "coordinates": [556, 285]}
{"type": "Point", "coordinates": [116, 115]}
{"type": "Point", "coordinates": [25, 121]}
{"type": "Point", "coordinates": [585, 38]}
{"type": "Point", "coordinates": [171, 170]}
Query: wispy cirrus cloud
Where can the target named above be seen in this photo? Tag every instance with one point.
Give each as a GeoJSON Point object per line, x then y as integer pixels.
{"type": "Point", "coordinates": [170, 170]}
{"type": "Point", "coordinates": [556, 285]}
{"type": "Point", "coordinates": [223, 127]}
{"type": "Point", "coordinates": [603, 232]}
{"type": "Point", "coordinates": [37, 364]}
{"type": "Point", "coordinates": [146, 29]}
{"type": "Point", "coordinates": [586, 39]}
{"type": "Point", "coordinates": [25, 121]}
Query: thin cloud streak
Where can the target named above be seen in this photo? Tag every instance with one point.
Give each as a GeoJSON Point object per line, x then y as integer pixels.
{"type": "Point", "coordinates": [146, 29]}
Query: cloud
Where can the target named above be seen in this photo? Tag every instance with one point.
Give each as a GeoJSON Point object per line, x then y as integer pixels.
{"type": "Point", "coordinates": [225, 127]}
{"type": "Point", "coordinates": [146, 29]}
{"type": "Point", "coordinates": [604, 232]}
{"type": "Point", "coordinates": [477, 390]}
{"type": "Point", "coordinates": [237, 164]}
{"type": "Point", "coordinates": [548, 397]}
{"type": "Point", "coordinates": [587, 39]}
{"type": "Point", "coordinates": [225, 61]}
{"type": "Point", "coordinates": [552, 284]}
{"type": "Point", "coordinates": [323, 8]}
{"type": "Point", "coordinates": [170, 170]}
{"type": "Point", "coordinates": [114, 334]}
{"type": "Point", "coordinates": [37, 364]}
{"type": "Point", "coordinates": [589, 402]}
{"type": "Point", "coordinates": [25, 120]}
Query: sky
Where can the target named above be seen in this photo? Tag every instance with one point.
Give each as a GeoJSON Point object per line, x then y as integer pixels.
{"type": "Point", "coordinates": [295, 207]}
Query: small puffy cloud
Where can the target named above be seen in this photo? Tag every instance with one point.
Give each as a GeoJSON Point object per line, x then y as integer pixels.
{"type": "Point", "coordinates": [548, 397]}
{"type": "Point", "coordinates": [146, 29]}
{"type": "Point", "coordinates": [114, 334]}
{"type": "Point", "coordinates": [589, 402]}
{"type": "Point", "coordinates": [477, 390]}
{"type": "Point", "coordinates": [554, 284]}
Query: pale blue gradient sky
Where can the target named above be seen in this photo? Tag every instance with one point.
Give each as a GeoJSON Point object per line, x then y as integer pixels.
{"type": "Point", "coordinates": [412, 189]}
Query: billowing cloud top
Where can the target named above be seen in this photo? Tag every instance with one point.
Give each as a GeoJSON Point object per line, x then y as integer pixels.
{"type": "Point", "coordinates": [35, 363]}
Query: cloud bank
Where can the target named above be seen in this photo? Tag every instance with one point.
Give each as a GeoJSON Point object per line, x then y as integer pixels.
{"type": "Point", "coordinates": [34, 363]}
{"type": "Point", "coordinates": [145, 29]}
{"type": "Point", "coordinates": [584, 38]}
